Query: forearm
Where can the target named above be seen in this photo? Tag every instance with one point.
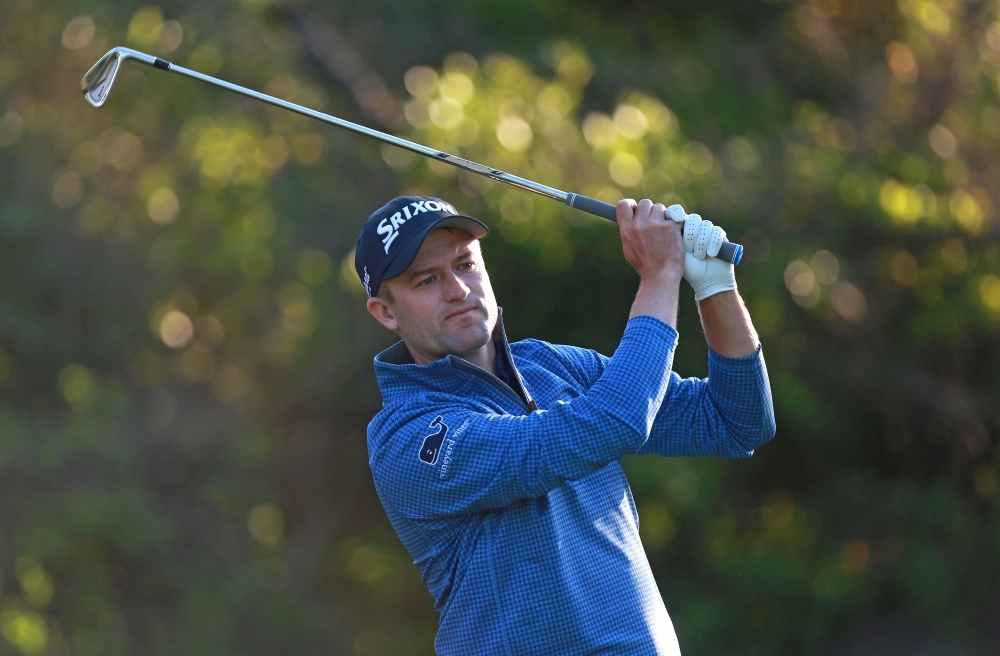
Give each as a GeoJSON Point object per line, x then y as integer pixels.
{"type": "Point", "coordinates": [657, 297]}
{"type": "Point", "coordinates": [728, 328]}
{"type": "Point", "coordinates": [727, 414]}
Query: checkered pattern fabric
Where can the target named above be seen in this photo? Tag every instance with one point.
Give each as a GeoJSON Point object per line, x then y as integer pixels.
{"type": "Point", "coordinates": [523, 524]}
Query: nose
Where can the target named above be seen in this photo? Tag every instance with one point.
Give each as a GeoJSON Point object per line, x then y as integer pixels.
{"type": "Point", "coordinates": [454, 288]}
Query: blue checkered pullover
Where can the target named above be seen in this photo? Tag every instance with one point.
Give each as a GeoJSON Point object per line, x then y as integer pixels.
{"type": "Point", "coordinates": [520, 519]}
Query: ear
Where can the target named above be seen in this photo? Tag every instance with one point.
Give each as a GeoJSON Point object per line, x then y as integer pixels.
{"type": "Point", "coordinates": [383, 313]}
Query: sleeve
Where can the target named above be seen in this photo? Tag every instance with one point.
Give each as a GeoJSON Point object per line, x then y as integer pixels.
{"type": "Point", "coordinates": [453, 460]}
{"type": "Point", "coordinates": [729, 414]}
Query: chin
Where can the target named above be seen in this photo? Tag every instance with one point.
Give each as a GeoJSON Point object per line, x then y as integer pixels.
{"type": "Point", "coordinates": [469, 340]}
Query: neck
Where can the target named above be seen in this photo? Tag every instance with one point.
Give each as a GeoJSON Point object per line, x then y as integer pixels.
{"type": "Point", "coordinates": [485, 357]}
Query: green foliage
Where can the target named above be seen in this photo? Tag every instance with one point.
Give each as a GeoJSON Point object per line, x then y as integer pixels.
{"type": "Point", "coordinates": [185, 359]}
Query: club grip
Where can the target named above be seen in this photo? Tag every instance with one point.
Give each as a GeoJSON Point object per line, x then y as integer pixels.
{"type": "Point", "coordinates": [593, 206]}
{"type": "Point", "coordinates": [728, 252]}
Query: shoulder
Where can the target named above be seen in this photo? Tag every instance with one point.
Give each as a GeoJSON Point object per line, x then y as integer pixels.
{"type": "Point", "coordinates": [538, 348]}
{"type": "Point", "coordinates": [579, 363]}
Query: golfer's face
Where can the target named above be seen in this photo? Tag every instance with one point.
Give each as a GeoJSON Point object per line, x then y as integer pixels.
{"type": "Point", "coordinates": [444, 302]}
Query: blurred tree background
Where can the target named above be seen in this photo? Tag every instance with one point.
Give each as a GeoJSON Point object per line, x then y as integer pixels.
{"type": "Point", "coordinates": [185, 357]}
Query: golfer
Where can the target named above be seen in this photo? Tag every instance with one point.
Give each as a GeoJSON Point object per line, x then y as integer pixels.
{"type": "Point", "coordinates": [497, 463]}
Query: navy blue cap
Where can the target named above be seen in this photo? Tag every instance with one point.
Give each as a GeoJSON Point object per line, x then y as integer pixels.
{"type": "Point", "coordinates": [394, 233]}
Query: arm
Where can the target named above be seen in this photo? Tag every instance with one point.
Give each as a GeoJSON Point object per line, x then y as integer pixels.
{"type": "Point", "coordinates": [486, 460]}
{"type": "Point", "coordinates": [728, 328]}
{"type": "Point", "coordinates": [730, 413]}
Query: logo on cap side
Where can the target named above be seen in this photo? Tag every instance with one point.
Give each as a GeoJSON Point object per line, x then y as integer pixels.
{"type": "Point", "coordinates": [389, 226]}
{"type": "Point", "coordinates": [367, 283]}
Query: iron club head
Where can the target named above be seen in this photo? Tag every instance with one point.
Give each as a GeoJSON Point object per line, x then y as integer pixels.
{"type": "Point", "coordinates": [96, 84]}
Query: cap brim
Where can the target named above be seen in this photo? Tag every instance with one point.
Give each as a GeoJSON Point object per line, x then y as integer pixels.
{"type": "Point", "coordinates": [404, 258]}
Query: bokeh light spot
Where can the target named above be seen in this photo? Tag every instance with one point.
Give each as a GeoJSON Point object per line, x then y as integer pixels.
{"type": "Point", "coordinates": [943, 141]}
{"type": "Point", "coordinates": [697, 158]}
{"type": "Point", "coordinates": [902, 62]}
{"type": "Point", "coordinates": [122, 150]}
{"type": "Point", "coordinates": [599, 130]}
{"type": "Point", "coordinates": [398, 158]}
{"type": "Point", "coordinates": [799, 278]}
{"type": "Point", "coordinates": [308, 147]}
{"type": "Point", "coordinates": [163, 206]}
{"type": "Point", "coordinates": [854, 557]}
{"type": "Point", "coordinates": [989, 291]}
{"type": "Point", "coordinates": [630, 122]}
{"type": "Point", "coordinates": [313, 266]}
{"type": "Point", "coordinates": [171, 37]}
{"type": "Point", "coordinates": [206, 58]}
{"type": "Point", "coordinates": [778, 511]}
{"type": "Point", "coordinates": [26, 630]}
{"type": "Point", "coordinates": [145, 27]}
{"type": "Point", "coordinates": [741, 154]}
{"type": "Point", "coordinates": [656, 527]}
{"type": "Point", "coordinates": [77, 386]}
{"type": "Point", "coordinates": [176, 329]}
{"type": "Point", "coordinates": [903, 204]}
{"type": "Point", "coordinates": [78, 33]}
{"type": "Point", "coordinates": [67, 189]}
{"type": "Point", "coordinates": [456, 86]}
{"type": "Point", "coordinates": [625, 169]}
{"type": "Point", "coordinates": [985, 479]}
{"type": "Point", "coordinates": [848, 301]}
{"type": "Point", "coordinates": [852, 190]}
{"type": "Point", "coordinates": [966, 211]}
{"type": "Point", "coordinates": [826, 267]}
{"type": "Point", "coordinates": [35, 581]}
{"type": "Point", "coordinates": [421, 82]}
{"type": "Point", "coordinates": [445, 113]}
{"type": "Point", "coordinates": [514, 133]}
{"type": "Point", "coordinates": [266, 524]}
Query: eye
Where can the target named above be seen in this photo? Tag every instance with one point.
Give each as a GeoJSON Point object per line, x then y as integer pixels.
{"type": "Point", "coordinates": [427, 281]}
{"type": "Point", "coordinates": [467, 266]}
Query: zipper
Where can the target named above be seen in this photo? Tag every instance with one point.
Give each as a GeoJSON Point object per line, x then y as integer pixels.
{"type": "Point", "coordinates": [479, 372]}
{"type": "Point", "coordinates": [508, 357]}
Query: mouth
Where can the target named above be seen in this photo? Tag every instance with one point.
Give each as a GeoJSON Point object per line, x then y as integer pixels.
{"type": "Point", "coordinates": [461, 312]}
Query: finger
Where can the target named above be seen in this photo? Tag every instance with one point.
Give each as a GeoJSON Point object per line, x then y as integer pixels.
{"type": "Point", "coordinates": [658, 212]}
{"type": "Point", "coordinates": [676, 213]}
{"type": "Point", "coordinates": [625, 211]}
{"type": "Point", "coordinates": [704, 236]}
{"type": "Point", "coordinates": [691, 226]}
{"type": "Point", "coordinates": [716, 240]}
{"type": "Point", "coordinates": [643, 210]}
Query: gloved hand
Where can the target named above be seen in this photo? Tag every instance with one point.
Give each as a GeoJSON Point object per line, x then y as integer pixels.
{"type": "Point", "coordinates": [706, 274]}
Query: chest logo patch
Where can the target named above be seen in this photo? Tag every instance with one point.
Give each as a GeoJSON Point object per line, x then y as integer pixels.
{"type": "Point", "coordinates": [432, 443]}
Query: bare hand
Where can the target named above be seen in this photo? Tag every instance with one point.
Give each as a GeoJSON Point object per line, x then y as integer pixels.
{"type": "Point", "coordinates": [653, 245]}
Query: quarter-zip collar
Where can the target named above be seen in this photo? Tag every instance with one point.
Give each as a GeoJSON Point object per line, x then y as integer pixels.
{"type": "Point", "coordinates": [398, 374]}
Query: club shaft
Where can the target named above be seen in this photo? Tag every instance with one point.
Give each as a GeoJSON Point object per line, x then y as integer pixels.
{"type": "Point", "coordinates": [432, 153]}
{"type": "Point", "coordinates": [729, 252]}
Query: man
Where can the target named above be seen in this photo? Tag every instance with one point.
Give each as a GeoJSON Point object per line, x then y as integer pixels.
{"type": "Point", "coordinates": [497, 463]}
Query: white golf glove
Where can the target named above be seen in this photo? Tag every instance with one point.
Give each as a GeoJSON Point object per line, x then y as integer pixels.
{"type": "Point", "coordinates": [706, 274]}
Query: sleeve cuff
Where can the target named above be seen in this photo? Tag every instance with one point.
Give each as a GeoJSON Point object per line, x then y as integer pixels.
{"type": "Point", "coordinates": [647, 323]}
{"type": "Point", "coordinates": [716, 360]}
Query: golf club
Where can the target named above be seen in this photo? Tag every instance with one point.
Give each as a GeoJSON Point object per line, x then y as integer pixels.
{"type": "Point", "coordinates": [99, 80]}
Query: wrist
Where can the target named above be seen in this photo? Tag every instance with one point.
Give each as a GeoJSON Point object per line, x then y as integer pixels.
{"type": "Point", "coordinates": [657, 297]}
{"type": "Point", "coordinates": [663, 277]}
